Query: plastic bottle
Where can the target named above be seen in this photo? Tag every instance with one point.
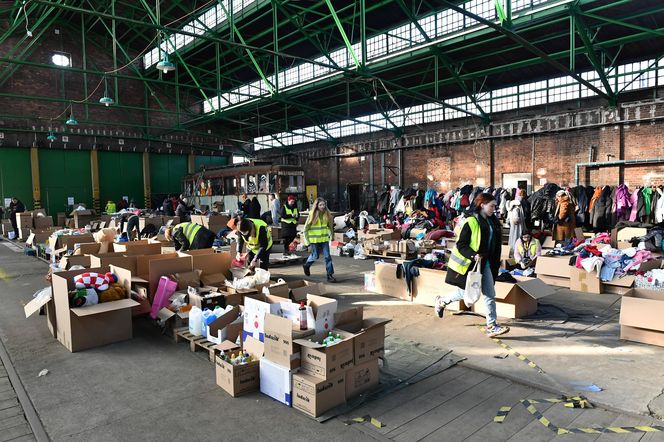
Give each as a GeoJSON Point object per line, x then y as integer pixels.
{"type": "Point", "coordinates": [303, 316]}
{"type": "Point", "coordinates": [195, 321]}
{"type": "Point", "coordinates": [204, 321]}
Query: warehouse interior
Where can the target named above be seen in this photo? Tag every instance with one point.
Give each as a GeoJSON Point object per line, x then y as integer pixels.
{"type": "Point", "coordinates": [218, 127]}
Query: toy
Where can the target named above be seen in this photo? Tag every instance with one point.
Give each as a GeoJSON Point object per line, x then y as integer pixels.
{"type": "Point", "coordinates": [83, 297]}
{"type": "Point", "coordinates": [94, 280]}
{"type": "Point", "coordinates": [114, 293]}
{"type": "Point", "coordinates": [105, 237]}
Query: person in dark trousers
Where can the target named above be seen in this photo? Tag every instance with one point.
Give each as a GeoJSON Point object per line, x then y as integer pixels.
{"type": "Point", "coordinates": [167, 206]}
{"type": "Point", "coordinates": [318, 232]}
{"type": "Point", "coordinates": [190, 236]}
{"type": "Point", "coordinates": [289, 217]}
{"type": "Point", "coordinates": [255, 209]}
{"type": "Point", "coordinates": [479, 242]}
{"type": "Point", "coordinates": [16, 206]}
{"type": "Point", "coordinates": [244, 204]}
{"type": "Point", "coordinates": [256, 235]}
{"type": "Point", "coordinates": [128, 224]}
{"type": "Point", "coordinates": [183, 211]}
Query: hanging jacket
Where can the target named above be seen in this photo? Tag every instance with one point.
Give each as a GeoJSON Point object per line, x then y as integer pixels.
{"type": "Point", "coordinates": [600, 216]}
{"type": "Point", "coordinates": [647, 200]}
{"type": "Point", "coordinates": [653, 205]}
{"type": "Point", "coordinates": [634, 200]}
{"type": "Point", "coordinates": [596, 195]}
{"type": "Point", "coordinates": [659, 210]}
{"type": "Point", "coordinates": [622, 202]}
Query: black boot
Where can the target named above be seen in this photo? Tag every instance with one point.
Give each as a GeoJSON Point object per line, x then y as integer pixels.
{"type": "Point", "coordinates": [306, 270]}
{"type": "Point", "coordinates": [331, 278]}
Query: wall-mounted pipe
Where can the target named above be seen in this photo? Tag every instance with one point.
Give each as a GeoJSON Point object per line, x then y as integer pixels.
{"type": "Point", "coordinates": [614, 163]}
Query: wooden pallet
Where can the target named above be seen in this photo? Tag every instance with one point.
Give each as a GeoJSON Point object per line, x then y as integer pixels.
{"type": "Point", "coordinates": [196, 343]}
{"type": "Point", "coordinates": [394, 255]}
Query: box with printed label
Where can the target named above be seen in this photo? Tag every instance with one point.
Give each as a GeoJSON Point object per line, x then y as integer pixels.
{"type": "Point", "coordinates": [276, 381]}
{"type": "Point", "coordinates": [361, 378]}
{"type": "Point", "coordinates": [280, 347]}
{"type": "Point", "coordinates": [237, 380]}
{"type": "Point", "coordinates": [255, 310]}
{"type": "Point", "coordinates": [369, 340]}
{"type": "Point", "coordinates": [314, 396]}
{"type": "Point", "coordinates": [324, 361]}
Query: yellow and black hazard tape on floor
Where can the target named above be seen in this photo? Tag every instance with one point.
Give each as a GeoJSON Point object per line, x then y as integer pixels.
{"type": "Point", "coordinates": [518, 355]}
{"type": "Point", "coordinates": [359, 420]}
{"type": "Point", "coordinates": [572, 402]}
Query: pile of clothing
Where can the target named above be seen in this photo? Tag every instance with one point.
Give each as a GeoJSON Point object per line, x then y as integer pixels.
{"type": "Point", "coordinates": [610, 263]}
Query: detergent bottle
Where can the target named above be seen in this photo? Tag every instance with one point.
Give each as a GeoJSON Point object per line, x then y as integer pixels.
{"type": "Point", "coordinates": [205, 320]}
{"type": "Point", "coordinates": [195, 321]}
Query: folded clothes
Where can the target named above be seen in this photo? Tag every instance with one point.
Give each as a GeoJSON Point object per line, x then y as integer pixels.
{"type": "Point", "coordinates": [594, 262]}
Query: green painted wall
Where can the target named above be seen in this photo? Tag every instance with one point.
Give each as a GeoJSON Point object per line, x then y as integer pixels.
{"type": "Point", "coordinates": [166, 172]}
{"type": "Point", "coordinates": [120, 174]}
{"type": "Point", "coordinates": [64, 173]}
{"type": "Point", "coordinates": [209, 161]}
{"type": "Point", "coordinates": [15, 175]}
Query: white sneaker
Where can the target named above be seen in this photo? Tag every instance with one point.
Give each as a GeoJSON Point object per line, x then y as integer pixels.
{"type": "Point", "coordinates": [496, 330]}
{"type": "Point", "coordinates": [440, 306]}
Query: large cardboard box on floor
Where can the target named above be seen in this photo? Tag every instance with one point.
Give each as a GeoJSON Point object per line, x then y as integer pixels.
{"type": "Point", "coordinates": [142, 247]}
{"type": "Point", "coordinates": [369, 340]}
{"type": "Point", "coordinates": [255, 310]}
{"type": "Point", "coordinates": [66, 262]}
{"type": "Point", "coordinates": [276, 381]}
{"type": "Point", "coordinates": [641, 313]}
{"type": "Point", "coordinates": [300, 289]}
{"type": "Point", "coordinates": [61, 244]}
{"type": "Point", "coordinates": [90, 326]}
{"type": "Point", "coordinates": [582, 281]}
{"type": "Point", "coordinates": [217, 330]}
{"type": "Point", "coordinates": [156, 221]}
{"type": "Point", "coordinates": [116, 259]}
{"type": "Point", "coordinates": [88, 248]}
{"type": "Point", "coordinates": [280, 334]}
{"type": "Point", "coordinates": [7, 227]}
{"type": "Point", "coordinates": [387, 282]}
{"type": "Point", "coordinates": [43, 222]}
{"type": "Point", "coordinates": [237, 380]}
{"type": "Point", "coordinates": [361, 378]}
{"type": "Point", "coordinates": [323, 361]}
{"type": "Point", "coordinates": [209, 262]}
{"type": "Point", "coordinates": [430, 284]}
{"type": "Point", "coordinates": [516, 300]}
{"type": "Point", "coordinates": [82, 218]}
{"type": "Point", "coordinates": [24, 220]}
{"type": "Point", "coordinates": [554, 270]}
{"type": "Point", "coordinates": [163, 267]}
{"type": "Point", "coordinates": [314, 396]}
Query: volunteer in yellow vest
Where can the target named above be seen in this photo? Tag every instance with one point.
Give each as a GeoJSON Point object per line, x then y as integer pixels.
{"type": "Point", "coordinates": [289, 217]}
{"type": "Point", "coordinates": [256, 235]}
{"type": "Point", "coordinates": [111, 207]}
{"type": "Point", "coordinates": [190, 236]}
{"type": "Point", "coordinates": [479, 242]}
{"type": "Point", "coordinates": [526, 250]}
{"type": "Point", "coordinates": [318, 232]}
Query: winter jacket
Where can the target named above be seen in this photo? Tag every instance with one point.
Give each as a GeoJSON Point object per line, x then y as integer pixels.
{"type": "Point", "coordinates": [596, 195]}
{"type": "Point", "coordinates": [486, 249]}
{"type": "Point", "coordinates": [622, 202]}
{"type": "Point", "coordinates": [183, 212]}
{"type": "Point", "coordinates": [653, 205]}
{"type": "Point", "coordinates": [565, 220]}
{"type": "Point", "coordinates": [517, 222]}
{"type": "Point", "coordinates": [634, 200]}
{"type": "Point", "coordinates": [254, 209]}
{"type": "Point", "coordinates": [581, 196]}
{"type": "Point", "coordinates": [600, 216]}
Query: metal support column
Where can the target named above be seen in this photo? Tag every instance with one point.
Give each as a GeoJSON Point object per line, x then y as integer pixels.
{"type": "Point", "coordinates": [115, 54]}
{"type": "Point", "coordinates": [191, 163]}
{"type": "Point", "coordinates": [84, 54]}
{"type": "Point", "coordinates": [147, 191]}
{"type": "Point", "coordinates": [492, 157]}
{"type": "Point", "coordinates": [363, 32]}
{"type": "Point", "coordinates": [94, 173]}
{"type": "Point", "coordinates": [34, 169]}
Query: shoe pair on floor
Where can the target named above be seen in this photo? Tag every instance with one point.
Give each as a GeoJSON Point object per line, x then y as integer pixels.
{"type": "Point", "coordinates": [491, 332]}
{"type": "Point", "coordinates": [330, 277]}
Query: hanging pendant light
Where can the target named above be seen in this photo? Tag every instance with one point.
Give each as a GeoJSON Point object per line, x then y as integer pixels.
{"type": "Point", "coordinates": [106, 100]}
{"type": "Point", "coordinates": [51, 137]}
{"type": "Point", "coordinates": [165, 65]}
{"type": "Point", "coordinates": [71, 121]}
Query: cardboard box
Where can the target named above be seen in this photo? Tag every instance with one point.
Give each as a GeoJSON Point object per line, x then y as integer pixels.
{"type": "Point", "coordinates": [37, 237]}
{"type": "Point", "coordinates": [280, 334]}
{"type": "Point", "coordinates": [627, 233]}
{"type": "Point", "coordinates": [300, 289]}
{"type": "Point", "coordinates": [641, 313]}
{"type": "Point", "coordinates": [210, 262]}
{"type": "Point", "coordinates": [130, 248]}
{"type": "Point", "coordinates": [554, 280]}
{"type": "Point", "coordinates": [276, 381]}
{"type": "Point", "coordinates": [314, 396]}
{"type": "Point", "coordinates": [24, 220]}
{"type": "Point", "coordinates": [370, 281]}
{"type": "Point", "coordinates": [163, 267]}
{"type": "Point", "coordinates": [68, 242]}
{"type": "Point", "coordinates": [430, 284]}
{"type": "Point", "coordinates": [156, 221]}
{"type": "Point", "coordinates": [237, 380]}
{"type": "Point", "coordinates": [369, 340]}
{"type": "Point", "coordinates": [88, 248]}
{"type": "Point", "coordinates": [326, 362]}
{"type": "Point", "coordinates": [66, 262]}
{"type": "Point", "coordinates": [92, 326]}
{"type": "Point", "coordinates": [6, 227]}
{"type": "Point", "coordinates": [323, 310]}
{"type": "Point", "coordinates": [116, 259]}
{"type": "Point", "coordinates": [208, 298]}
{"type": "Point", "coordinates": [387, 282]}
{"type": "Point", "coordinates": [341, 237]}
{"type": "Point", "coordinates": [82, 218]}
{"type": "Point", "coordinates": [361, 378]}
{"type": "Point", "coordinates": [553, 266]}
{"type": "Point", "coordinates": [582, 281]}
{"type": "Point", "coordinates": [516, 300]}
{"type": "Point", "coordinates": [255, 310]}
{"type": "Point", "coordinates": [43, 222]}
{"type": "Point", "coordinates": [217, 330]}
{"type": "Point", "coordinates": [619, 286]}
{"type": "Point", "coordinates": [549, 243]}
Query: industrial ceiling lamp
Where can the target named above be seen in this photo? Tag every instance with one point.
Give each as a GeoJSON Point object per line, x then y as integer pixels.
{"type": "Point", "coordinates": [71, 121]}
{"type": "Point", "coordinates": [106, 100]}
{"type": "Point", "coordinates": [165, 65]}
{"type": "Point", "coordinates": [51, 137]}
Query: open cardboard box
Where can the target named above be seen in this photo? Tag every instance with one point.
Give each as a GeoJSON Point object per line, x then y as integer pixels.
{"type": "Point", "coordinates": [217, 330]}
{"type": "Point", "coordinates": [641, 313]}
{"type": "Point", "coordinates": [88, 248]}
{"type": "Point", "coordinates": [553, 270]}
{"type": "Point", "coordinates": [582, 281]}
{"type": "Point", "coordinates": [431, 283]}
{"type": "Point", "coordinates": [300, 289]}
{"type": "Point", "coordinates": [369, 341]}
{"type": "Point", "coordinates": [116, 259]}
{"type": "Point", "coordinates": [164, 267]}
{"type": "Point", "coordinates": [280, 347]}
{"type": "Point", "coordinates": [255, 310]}
{"type": "Point", "coordinates": [66, 262]}
{"type": "Point", "coordinates": [156, 221]}
{"type": "Point", "coordinates": [43, 222]}
{"type": "Point", "coordinates": [61, 244]}
{"type": "Point", "coordinates": [129, 248]}
{"type": "Point", "coordinates": [237, 380]}
{"type": "Point", "coordinates": [326, 362]}
{"type": "Point", "coordinates": [91, 326]}
{"type": "Point", "coordinates": [276, 381]}
{"type": "Point", "coordinates": [516, 300]}
{"type": "Point", "coordinates": [387, 282]}
{"type": "Point", "coordinates": [209, 262]}
{"type": "Point", "coordinates": [361, 378]}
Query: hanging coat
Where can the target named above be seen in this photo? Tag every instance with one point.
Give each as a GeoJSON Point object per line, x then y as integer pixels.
{"type": "Point", "coordinates": [600, 216]}
{"type": "Point", "coordinates": [517, 222]}
{"type": "Point", "coordinates": [622, 203]}
{"type": "Point", "coordinates": [565, 220]}
{"type": "Point", "coordinates": [659, 210]}
{"type": "Point", "coordinates": [634, 200]}
{"type": "Point", "coordinates": [653, 205]}
{"type": "Point", "coordinates": [596, 195]}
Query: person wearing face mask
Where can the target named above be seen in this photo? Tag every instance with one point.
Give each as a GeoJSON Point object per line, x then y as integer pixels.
{"type": "Point", "coordinates": [256, 235]}
{"type": "Point", "coordinates": [289, 217]}
{"type": "Point", "coordinates": [318, 232]}
{"type": "Point", "coordinates": [479, 242]}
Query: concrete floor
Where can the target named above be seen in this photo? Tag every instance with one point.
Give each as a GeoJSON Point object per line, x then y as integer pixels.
{"type": "Point", "coordinates": [153, 389]}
